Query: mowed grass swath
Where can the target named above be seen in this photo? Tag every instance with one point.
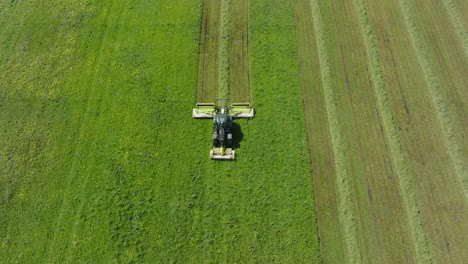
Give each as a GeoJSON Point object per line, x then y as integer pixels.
{"type": "Point", "coordinates": [357, 152]}
{"type": "Point", "coordinates": [385, 134]}
{"type": "Point", "coordinates": [101, 161]}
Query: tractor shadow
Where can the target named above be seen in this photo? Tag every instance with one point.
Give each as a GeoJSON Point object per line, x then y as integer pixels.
{"type": "Point", "coordinates": [237, 135]}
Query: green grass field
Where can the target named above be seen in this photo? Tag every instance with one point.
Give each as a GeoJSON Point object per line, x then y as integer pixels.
{"type": "Point", "coordinates": [100, 160]}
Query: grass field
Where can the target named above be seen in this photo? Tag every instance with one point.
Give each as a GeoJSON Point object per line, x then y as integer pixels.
{"type": "Point", "coordinates": [102, 162]}
{"type": "Point", "coordinates": [358, 151]}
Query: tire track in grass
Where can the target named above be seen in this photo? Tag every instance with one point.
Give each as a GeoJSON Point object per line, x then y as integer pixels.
{"type": "Point", "coordinates": [398, 156]}
{"type": "Point", "coordinates": [81, 134]}
{"type": "Point", "coordinates": [346, 210]}
{"type": "Point", "coordinates": [90, 161]}
{"type": "Point", "coordinates": [457, 23]}
{"type": "Point", "coordinates": [438, 99]}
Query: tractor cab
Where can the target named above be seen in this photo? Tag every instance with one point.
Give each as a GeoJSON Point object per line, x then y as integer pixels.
{"type": "Point", "coordinates": [222, 120]}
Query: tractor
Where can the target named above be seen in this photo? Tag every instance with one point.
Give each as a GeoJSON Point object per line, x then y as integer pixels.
{"type": "Point", "coordinates": [222, 116]}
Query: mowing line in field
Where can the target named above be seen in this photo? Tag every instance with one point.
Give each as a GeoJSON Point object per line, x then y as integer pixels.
{"type": "Point", "coordinates": [398, 156]}
{"type": "Point", "coordinates": [346, 208]}
{"type": "Point", "coordinates": [438, 99]}
{"type": "Point", "coordinates": [224, 47]}
{"type": "Point", "coordinates": [457, 23]}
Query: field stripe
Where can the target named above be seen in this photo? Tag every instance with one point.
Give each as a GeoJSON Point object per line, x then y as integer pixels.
{"type": "Point", "coordinates": [399, 158]}
{"type": "Point", "coordinates": [224, 47]}
{"type": "Point", "coordinates": [439, 101]}
{"type": "Point", "coordinates": [457, 23]}
{"type": "Point", "coordinates": [346, 210]}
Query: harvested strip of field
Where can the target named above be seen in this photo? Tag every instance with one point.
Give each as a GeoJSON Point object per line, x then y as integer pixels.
{"type": "Point", "coordinates": [398, 157]}
{"type": "Point", "coordinates": [239, 53]}
{"type": "Point", "coordinates": [209, 64]}
{"type": "Point", "coordinates": [440, 198]}
{"type": "Point", "coordinates": [224, 55]}
{"type": "Point", "coordinates": [321, 152]}
{"type": "Point", "coordinates": [346, 210]}
{"type": "Point", "coordinates": [452, 139]}
{"type": "Point", "coordinates": [381, 144]}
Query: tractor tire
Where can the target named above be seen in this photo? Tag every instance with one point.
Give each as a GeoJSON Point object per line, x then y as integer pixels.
{"type": "Point", "coordinates": [229, 140]}
{"type": "Point", "coordinates": [215, 140]}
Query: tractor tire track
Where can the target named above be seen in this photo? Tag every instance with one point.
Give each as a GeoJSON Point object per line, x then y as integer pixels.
{"type": "Point", "coordinates": [79, 149]}
{"type": "Point", "coordinates": [439, 101]}
{"type": "Point", "coordinates": [104, 100]}
{"type": "Point", "coordinates": [399, 158]}
{"type": "Point", "coordinates": [346, 208]}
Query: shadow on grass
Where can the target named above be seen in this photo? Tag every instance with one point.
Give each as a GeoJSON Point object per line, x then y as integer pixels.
{"type": "Point", "coordinates": [237, 135]}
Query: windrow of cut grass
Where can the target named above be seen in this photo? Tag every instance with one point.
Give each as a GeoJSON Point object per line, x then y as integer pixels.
{"type": "Point", "coordinates": [398, 156]}
{"type": "Point", "coordinates": [437, 189]}
{"type": "Point", "coordinates": [438, 98]}
{"type": "Point", "coordinates": [321, 153]}
{"type": "Point", "coordinates": [346, 208]}
{"type": "Point", "coordinates": [457, 23]}
{"type": "Point", "coordinates": [224, 49]}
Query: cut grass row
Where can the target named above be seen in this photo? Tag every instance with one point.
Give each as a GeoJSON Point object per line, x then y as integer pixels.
{"type": "Point", "coordinates": [369, 73]}
{"type": "Point", "coordinates": [345, 206]}
{"type": "Point", "coordinates": [224, 49]}
{"type": "Point", "coordinates": [398, 156]}
{"type": "Point", "coordinates": [321, 153]}
{"type": "Point", "coordinates": [457, 23]}
{"type": "Point", "coordinates": [438, 98]}
{"type": "Point", "coordinates": [438, 192]}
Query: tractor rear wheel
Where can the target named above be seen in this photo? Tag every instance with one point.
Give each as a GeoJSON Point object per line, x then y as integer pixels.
{"type": "Point", "coordinates": [229, 140]}
{"type": "Point", "coordinates": [215, 140]}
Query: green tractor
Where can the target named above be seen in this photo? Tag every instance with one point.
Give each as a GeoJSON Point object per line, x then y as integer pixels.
{"type": "Point", "coordinates": [222, 125]}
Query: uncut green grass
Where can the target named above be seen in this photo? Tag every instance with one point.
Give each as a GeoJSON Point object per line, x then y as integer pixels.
{"type": "Point", "coordinates": [100, 160]}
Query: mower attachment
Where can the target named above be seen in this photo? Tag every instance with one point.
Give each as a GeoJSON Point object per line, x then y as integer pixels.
{"type": "Point", "coordinates": [241, 110]}
{"type": "Point", "coordinates": [222, 154]}
{"type": "Point", "coordinates": [204, 110]}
